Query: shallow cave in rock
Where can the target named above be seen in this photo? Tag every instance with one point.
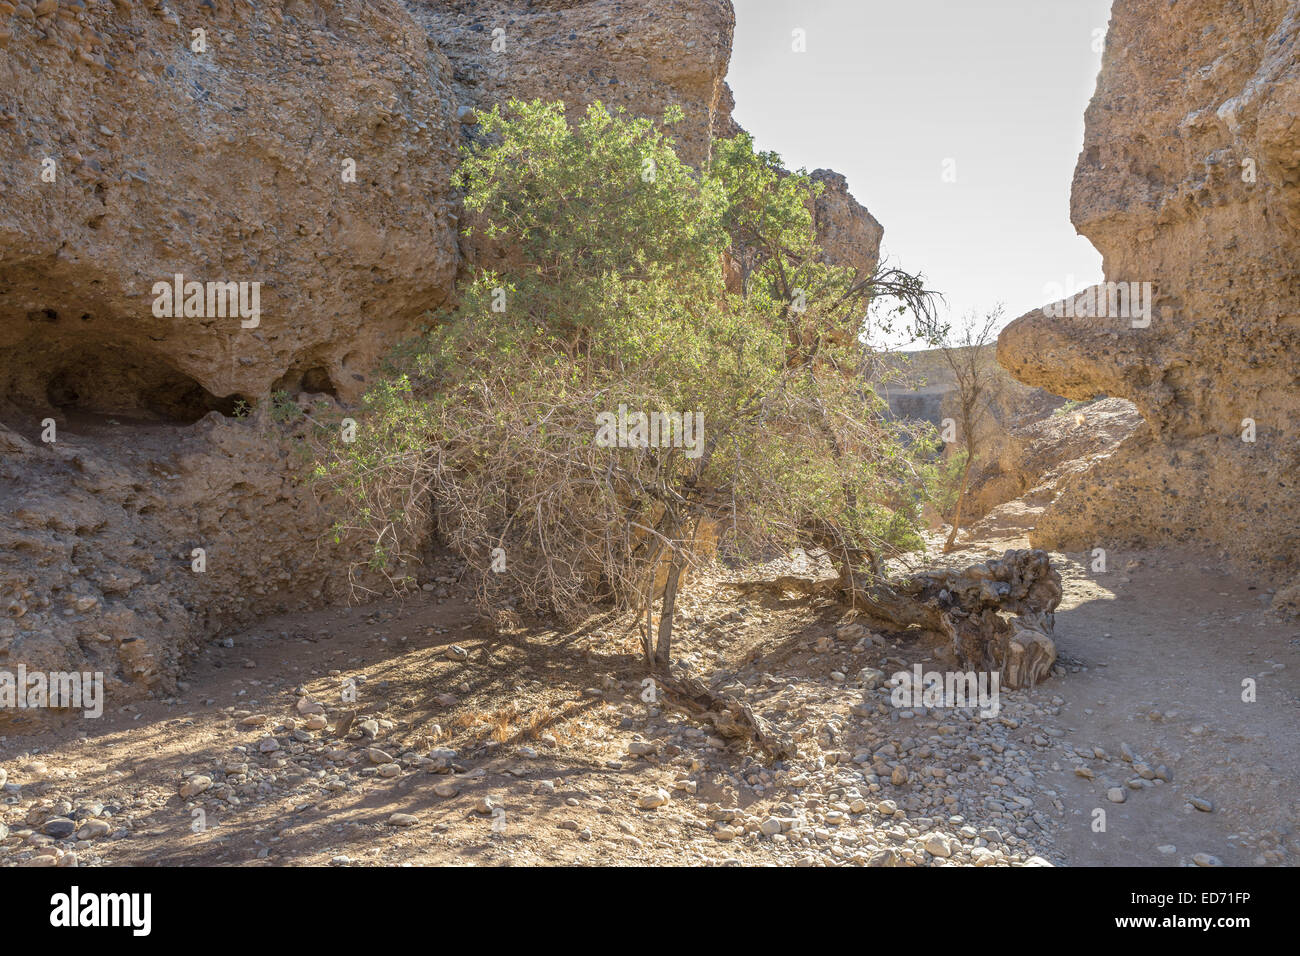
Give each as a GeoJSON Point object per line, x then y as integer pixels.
{"type": "Point", "coordinates": [68, 348]}
{"type": "Point", "coordinates": [315, 380]}
{"type": "Point", "coordinates": [114, 381]}
{"type": "Point", "coordinates": [76, 374]}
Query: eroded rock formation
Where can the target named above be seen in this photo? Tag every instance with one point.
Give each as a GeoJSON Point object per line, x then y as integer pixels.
{"type": "Point", "coordinates": [1189, 180]}
{"type": "Point", "coordinates": [641, 56]}
{"type": "Point", "coordinates": [222, 166]}
{"type": "Point", "coordinates": [138, 150]}
{"type": "Point", "coordinates": [123, 544]}
{"type": "Point", "coordinates": [1030, 458]}
{"type": "Point", "coordinates": [847, 233]}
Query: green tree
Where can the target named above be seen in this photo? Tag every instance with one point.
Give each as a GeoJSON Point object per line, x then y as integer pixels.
{"type": "Point", "coordinates": [607, 288]}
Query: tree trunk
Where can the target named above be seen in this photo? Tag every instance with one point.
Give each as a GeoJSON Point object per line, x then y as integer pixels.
{"type": "Point", "coordinates": [648, 638]}
{"type": "Point", "coordinates": [732, 718]}
{"type": "Point", "coordinates": [961, 496]}
{"type": "Point", "coordinates": [663, 645]}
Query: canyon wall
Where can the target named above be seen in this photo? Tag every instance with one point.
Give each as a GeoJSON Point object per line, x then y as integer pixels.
{"type": "Point", "coordinates": [640, 56]}
{"type": "Point", "coordinates": [306, 147]}
{"type": "Point", "coordinates": [1189, 180]}
{"type": "Point", "coordinates": [229, 164]}
{"type": "Point", "coordinates": [125, 543]}
{"type": "Point", "coordinates": [1027, 440]}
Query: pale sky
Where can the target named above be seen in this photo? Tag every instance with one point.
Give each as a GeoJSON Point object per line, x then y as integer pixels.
{"type": "Point", "coordinates": [888, 90]}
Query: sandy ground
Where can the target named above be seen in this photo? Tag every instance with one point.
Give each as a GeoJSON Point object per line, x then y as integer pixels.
{"type": "Point", "coordinates": [1169, 645]}
{"type": "Point", "coordinates": [550, 729]}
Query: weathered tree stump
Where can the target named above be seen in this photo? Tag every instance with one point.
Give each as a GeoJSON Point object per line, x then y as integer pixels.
{"type": "Point", "coordinates": [997, 614]}
{"type": "Point", "coordinates": [1029, 651]}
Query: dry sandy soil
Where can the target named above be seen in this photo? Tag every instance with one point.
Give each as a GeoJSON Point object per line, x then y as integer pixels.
{"type": "Point", "coordinates": [537, 748]}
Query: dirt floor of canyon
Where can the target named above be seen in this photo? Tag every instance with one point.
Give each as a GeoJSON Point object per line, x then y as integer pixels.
{"type": "Point", "coordinates": [472, 747]}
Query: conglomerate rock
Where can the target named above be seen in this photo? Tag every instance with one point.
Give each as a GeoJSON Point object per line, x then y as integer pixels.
{"type": "Point", "coordinates": [227, 165]}
{"type": "Point", "coordinates": [1189, 185]}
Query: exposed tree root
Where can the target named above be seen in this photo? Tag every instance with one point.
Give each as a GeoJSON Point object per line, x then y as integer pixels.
{"type": "Point", "coordinates": [732, 718]}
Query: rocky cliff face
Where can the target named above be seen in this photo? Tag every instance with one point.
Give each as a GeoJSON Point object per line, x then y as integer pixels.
{"type": "Point", "coordinates": [1189, 180]}
{"type": "Point", "coordinates": [848, 234]}
{"type": "Point", "coordinates": [125, 543]}
{"type": "Point", "coordinates": [305, 151]}
{"type": "Point", "coordinates": [138, 150]}
{"type": "Point", "coordinates": [1027, 441]}
{"type": "Point", "coordinates": [228, 165]}
{"type": "Point", "coordinates": [641, 56]}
